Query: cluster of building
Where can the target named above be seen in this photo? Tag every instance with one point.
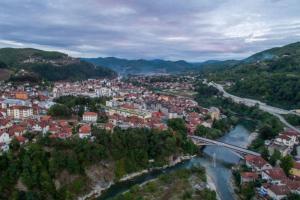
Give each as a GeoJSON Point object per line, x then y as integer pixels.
{"type": "Point", "coordinates": [275, 183]}
{"type": "Point", "coordinates": [24, 109]}
{"type": "Point", "coordinates": [148, 109]}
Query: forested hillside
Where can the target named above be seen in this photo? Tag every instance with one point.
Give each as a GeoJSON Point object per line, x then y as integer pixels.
{"type": "Point", "coordinates": [272, 76]}
{"type": "Point", "coordinates": [34, 65]}
{"type": "Point", "coordinates": [66, 169]}
{"type": "Point", "coordinates": [141, 66]}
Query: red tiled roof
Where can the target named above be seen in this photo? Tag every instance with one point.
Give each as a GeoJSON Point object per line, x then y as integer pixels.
{"type": "Point", "coordinates": [276, 173]}
{"type": "Point", "coordinates": [256, 160]}
{"type": "Point", "coordinates": [249, 175]}
{"type": "Point", "coordinates": [85, 129]}
{"type": "Point", "coordinates": [21, 139]}
{"type": "Point", "coordinates": [279, 189]}
{"type": "Point", "coordinates": [90, 113]}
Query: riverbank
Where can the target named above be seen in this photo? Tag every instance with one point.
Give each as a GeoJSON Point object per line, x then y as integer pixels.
{"type": "Point", "coordinates": [98, 189]}
{"type": "Point", "coordinates": [180, 184]}
{"type": "Point", "coordinates": [211, 185]}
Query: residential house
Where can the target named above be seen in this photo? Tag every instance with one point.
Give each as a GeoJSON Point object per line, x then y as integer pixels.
{"type": "Point", "coordinates": [256, 163]}
{"type": "Point", "coordinates": [85, 131]}
{"type": "Point", "coordinates": [275, 176]}
{"type": "Point", "coordinates": [247, 177]}
{"type": "Point", "coordinates": [4, 138]}
{"type": "Point", "coordinates": [278, 192]}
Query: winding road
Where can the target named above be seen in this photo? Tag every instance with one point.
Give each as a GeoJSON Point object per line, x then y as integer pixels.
{"type": "Point", "coordinates": [263, 106]}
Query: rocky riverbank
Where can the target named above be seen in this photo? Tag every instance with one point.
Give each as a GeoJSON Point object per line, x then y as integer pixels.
{"type": "Point", "coordinates": [101, 186]}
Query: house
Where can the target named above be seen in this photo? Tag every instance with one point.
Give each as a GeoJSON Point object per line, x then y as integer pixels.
{"type": "Point", "coordinates": [21, 139]}
{"type": "Point", "coordinates": [4, 138]}
{"type": "Point", "coordinates": [85, 131]}
{"type": "Point", "coordinates": [247, 177]}
{"type": "Point", "coordinates": [275, 176]}
{"type": "Point", "coordinates": [21, 95]}
{"type": "Point", "coordinates": [293, 185]}
{"type": "Point", "coordinates": [285, 139]}
{"type": "Point", "coordinates": [278, 192]}
{"type": "Point", "coordinates": [214, 113]}
{"type": "Point", "coordinates": [283, 149]}
{"type": "Point", "coordinates": [40, 127]}
{"type": "Point", "coordinates": [90, 117]}
{"type": "Point", "coordinates": [16, 130]}
{"type": "Point", "coordinates": [256, 163]}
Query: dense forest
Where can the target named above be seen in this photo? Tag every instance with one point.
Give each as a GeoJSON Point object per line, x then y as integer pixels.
{"type": "Point", "coordinates": [33, 65]}
{"type": "Point", "coordinates": [60, 169]}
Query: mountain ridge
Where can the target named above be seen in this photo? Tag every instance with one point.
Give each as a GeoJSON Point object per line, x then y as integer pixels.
{"type": "Point", "coordinates": [28, 64]}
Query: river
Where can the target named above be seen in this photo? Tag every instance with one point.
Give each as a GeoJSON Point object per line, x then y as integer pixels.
{"type": "Point", "coordinates": [216, 160]}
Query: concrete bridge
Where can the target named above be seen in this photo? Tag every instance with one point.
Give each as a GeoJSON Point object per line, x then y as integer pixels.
{"type": "Point", "coordinates": [201, 141]}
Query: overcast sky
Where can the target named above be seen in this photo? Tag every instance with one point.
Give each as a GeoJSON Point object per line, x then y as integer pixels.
{"type": "Point", "coordinates": [193, 30]}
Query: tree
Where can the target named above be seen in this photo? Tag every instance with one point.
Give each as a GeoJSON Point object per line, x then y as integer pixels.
{"type": "Point", "coordinates": [275, 157]}
{"type": "Point", "coordinates": [286, 164]}
{"type": "Point", "coordinates": [293, 196]}
{"type": "Point", "coordinates": [177, 124]}
{"type": "Point", "coordinates": [59, 110]}
{"type": "Point", "coordinates": [265, 153]}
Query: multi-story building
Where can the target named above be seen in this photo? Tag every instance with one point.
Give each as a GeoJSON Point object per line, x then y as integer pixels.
{"type": "Point", "coordinates": [19, 112]}
{"type": "Point", "coordinates": [90, 117]}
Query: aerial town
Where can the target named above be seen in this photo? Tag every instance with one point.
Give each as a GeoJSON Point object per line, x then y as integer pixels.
{"type": "Point", "coordinates": [24, 109]}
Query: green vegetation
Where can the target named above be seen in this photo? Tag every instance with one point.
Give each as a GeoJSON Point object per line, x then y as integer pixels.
{"type": "Point", "coordinates": [267, 124]}
{"type": "Point", "coordinates": [276, 156]}
{"type": "Point", "coordinates": [33, 65]}
{"type": "Point", "coordinates": [293, 119]}
{"type": "Point", "coordinates": [244, 191]}
{"type": "Point", "coordinates": [286, 163]}
{"type": "Point", "coordinates": [280, 90]}
{"type": "Point", "coordinates": [60, 111]}
{"type": "Point", "coordinates": [57, 169]}
{"type": "Point", "coordinates": [78, 104]}
{"type": "Point", "coordinates": [219, 128]}
{"type": "Point", "coordinates": [175, 185]}
{"type": "Point", "coordinates": [293, 196]}
{"type": "Point", "coordinates": [272, 76]}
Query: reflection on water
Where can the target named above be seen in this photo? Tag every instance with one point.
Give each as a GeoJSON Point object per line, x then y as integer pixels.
{"type": "Point", "coordinates": [219, 171]}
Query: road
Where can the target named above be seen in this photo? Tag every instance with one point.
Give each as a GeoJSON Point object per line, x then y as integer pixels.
{"type": "Point", "coordinates": [201, 140]}
{"type": "Point", "coordinates": [263, 106]}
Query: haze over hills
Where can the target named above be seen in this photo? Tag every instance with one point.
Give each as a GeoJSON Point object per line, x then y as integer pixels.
{"type": "Point", "coordinates": [287, 56]}
{"type": "Point", "coordinates": [141, 66]}
{"type": "Point", "coordinates": [33, 65]}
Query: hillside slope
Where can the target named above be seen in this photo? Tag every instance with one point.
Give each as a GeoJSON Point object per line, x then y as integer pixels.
{"type": "Point", "coordinates": [272, 76]}
{"type": "Point", "coordinates": [141, 66]}
{"type": "Point", "coordinates": [33, 65]}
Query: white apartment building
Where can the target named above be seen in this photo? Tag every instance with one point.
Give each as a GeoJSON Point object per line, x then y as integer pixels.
{"type": "Point", "coordinates": [19, 112]}
{"type": "Point", "coordinates": [90, 117]}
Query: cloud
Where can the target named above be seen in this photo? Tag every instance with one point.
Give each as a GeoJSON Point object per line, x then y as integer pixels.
{"type": "Point", "coordinates": [170, 29]}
